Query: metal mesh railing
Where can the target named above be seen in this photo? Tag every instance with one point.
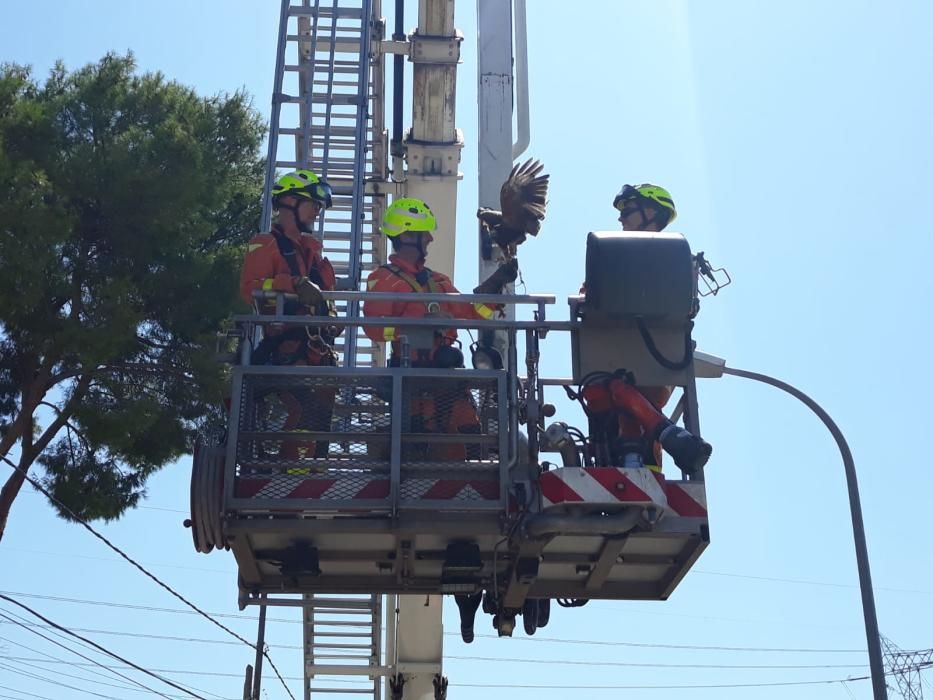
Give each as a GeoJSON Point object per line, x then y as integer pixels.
{"type": "Point", "coordinates": [305, 433]}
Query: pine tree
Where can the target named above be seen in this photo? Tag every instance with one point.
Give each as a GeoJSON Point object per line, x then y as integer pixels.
{"type": "Point", "coordinates": [124, 203]}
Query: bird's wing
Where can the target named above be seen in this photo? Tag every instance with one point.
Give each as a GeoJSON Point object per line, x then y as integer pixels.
{"type": "Point", "coordinates": [524, 197]}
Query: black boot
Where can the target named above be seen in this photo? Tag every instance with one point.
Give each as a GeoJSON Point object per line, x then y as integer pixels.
{"type": "Point", "coordinates": [468, 605]}
{"type": "Point", "coordinates": [690, 452]}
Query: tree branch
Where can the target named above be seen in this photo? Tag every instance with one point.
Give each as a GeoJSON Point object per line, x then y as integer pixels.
{"type": "Point", "coordinates": [32, 451]}
{"type": "Point", "coordinates": [123, 367]}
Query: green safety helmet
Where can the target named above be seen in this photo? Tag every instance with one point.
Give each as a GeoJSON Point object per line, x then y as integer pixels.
{"type": "Point", "coordinates": [657, 195]}
{"type": "Point", "coordinates": [304, 183]}
{"type": "Point", "coordinates": [407, 214]}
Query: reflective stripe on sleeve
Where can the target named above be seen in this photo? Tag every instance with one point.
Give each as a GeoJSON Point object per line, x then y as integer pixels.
{"type": "Point", "coordinates": [388, 334]}
{"type": "Point", "coordinates": [267, 284]}
{"type": "Point", "coordinates": [485, 311]}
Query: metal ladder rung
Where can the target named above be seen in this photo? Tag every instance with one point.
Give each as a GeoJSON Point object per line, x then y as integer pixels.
{"type": "Point", "coordinates": [338, 670]}
{"type": "Point", "coordinates": [338, 657]}
{"type": "Point", "coordinates": [327, 12]}
{"type": "Point", "coordinates": [339, 99]}
{"type": "Point", "coordinates": [332, 647]}
{"type": "Point", "coordinates": [344, 131]}
{"type": "Point", "coordinates": [342, 45]}
{"type": "Point", "coordinates": [341, 603]}
{"type": "Point", "coordinates": [345, 691]}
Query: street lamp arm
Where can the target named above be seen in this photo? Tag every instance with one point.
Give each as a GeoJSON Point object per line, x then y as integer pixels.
{"type": "Point", "coordinates": [858, 526]}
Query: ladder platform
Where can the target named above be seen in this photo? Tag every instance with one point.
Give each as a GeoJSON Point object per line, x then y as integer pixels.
{"type": "Point", "coordinates": [364, 499]}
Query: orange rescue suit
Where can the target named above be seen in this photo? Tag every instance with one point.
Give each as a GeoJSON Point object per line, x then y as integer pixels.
{"type": "Point", "coordinates": [431, 410]}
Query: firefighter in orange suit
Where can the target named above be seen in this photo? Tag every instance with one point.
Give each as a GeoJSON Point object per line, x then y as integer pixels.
{"type": "Point", "coordinates": [409, 224]}
{"type": "Point", "coordinates": [288, 259]}
{"type": "Point", "coordinates": [648, 207]}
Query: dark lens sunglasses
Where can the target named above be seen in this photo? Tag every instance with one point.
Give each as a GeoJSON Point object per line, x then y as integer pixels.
{"type": "Point", "coordinates": [322, 193]}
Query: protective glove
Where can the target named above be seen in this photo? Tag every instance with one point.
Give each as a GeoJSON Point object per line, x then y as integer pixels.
{"type": "Point", "coordinates": [503, 275]}
{"type": "Point", "coordinates": [308, 292]}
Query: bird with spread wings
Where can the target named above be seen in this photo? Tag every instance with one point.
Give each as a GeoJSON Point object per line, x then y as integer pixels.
{"type": "Point", "coordinates": [523, 199]}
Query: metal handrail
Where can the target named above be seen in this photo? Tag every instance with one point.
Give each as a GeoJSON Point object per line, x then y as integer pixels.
{"type": "Point", "coordinates": [394, 321]}
{"type": "Point", "coordinates": [505, 299]}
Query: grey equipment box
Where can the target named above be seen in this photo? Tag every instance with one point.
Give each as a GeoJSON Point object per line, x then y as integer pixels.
{"type": "Point", "coordinates": [635, 278]}
{"type": "Point", "coordinates": [631, 274]}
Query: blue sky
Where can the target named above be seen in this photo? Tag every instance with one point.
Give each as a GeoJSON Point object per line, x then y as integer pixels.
{"type": "Point", "coordinates": [795, 140]}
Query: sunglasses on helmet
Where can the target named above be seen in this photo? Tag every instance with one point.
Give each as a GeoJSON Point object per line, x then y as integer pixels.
{"type": "Point", "coordinates": [321, 192]}
{"type": "Point", "coordinates": [627, 195]}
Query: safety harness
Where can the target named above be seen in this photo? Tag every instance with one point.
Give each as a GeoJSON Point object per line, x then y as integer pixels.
{"type": "Point", "coordinates": [421, 282]}
{"type": "Point", "coordinates": [315, 343]}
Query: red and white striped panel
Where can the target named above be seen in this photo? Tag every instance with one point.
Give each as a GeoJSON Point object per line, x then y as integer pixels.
{"type": "Point", "coordinates": [686, 498]}
{"type": "Point", "coordinates": [614, 485]}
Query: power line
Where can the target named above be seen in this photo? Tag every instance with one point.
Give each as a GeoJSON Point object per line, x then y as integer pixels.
{"type": "Point", "coordinates": [692, 686]}
{"type": "Point", "coordinates": [56, 660]}
{"type": "Point", "coordinates": [502, 659]}
{"type": "Point", "coordinates": [123, 686]}
{"type": "Point", "coordinates": [69, 555]}
{"type": "Point", "coordinates": [143, 570]}
{"type": "Point", "coordinates": [692, 647]}
{"type": "Point", "coordinates": [102, 649]}
{"type": "Point", "coordinates": [41, 697]}
{"type": "Point", "coordinates": [25, 626]}
{"type": "Point", "coordinates": [25, 674]}
{"type": "Point", "coordinates": [149, 608]}
{"type": "Point", "coordinates": [112, 671]}
{"type": "Point", "coordinates": [591, 687]}
{"type": "Point", "coordinates": [161, 508]}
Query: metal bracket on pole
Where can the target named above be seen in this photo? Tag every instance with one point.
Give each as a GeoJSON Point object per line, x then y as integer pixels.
{"type": "Point", "coordinates": [433, 159]}
{"type": "Point", "coordinates": [437, 50]}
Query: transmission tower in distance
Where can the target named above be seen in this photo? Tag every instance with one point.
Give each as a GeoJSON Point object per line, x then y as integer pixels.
{"type": "Point", "coordinates": [905, 667]}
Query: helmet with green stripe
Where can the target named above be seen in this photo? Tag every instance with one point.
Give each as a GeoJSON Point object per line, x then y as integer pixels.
{"type": "Point", "coordinates": [407, 214]}
{"type": "Point", "coordinates": [303, 183]}
{"type": "Point", "coordinates": [642, 194]}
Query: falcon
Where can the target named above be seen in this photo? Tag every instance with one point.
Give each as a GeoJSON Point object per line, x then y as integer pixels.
{"type": "Point", "coordinates": [523, 199]}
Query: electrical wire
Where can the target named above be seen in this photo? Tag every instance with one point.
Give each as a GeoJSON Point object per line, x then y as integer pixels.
{"type": "Point", "coordinates": [692, 686]}
{"type": "Point", "coordinates": [33, 676]}
{"type": "Point", "coordinates": [842, 681]}
{"type": "Point", "coordinates": [516, 660]}
{"type": "Point", "coordinates": [102, 649]}
{"type": "Point", "coordinates": [36, 485]}
{"type": "Point", "coordinates": [549, 640]}
{"type": "Point", "coordinates": [25, 626]}
{"type": "Point", "coordinates": [33, 695]}
{"type": "Point", "coordinates": [111, 671]}
{"type": "Point", "coordinates": [122, 687]}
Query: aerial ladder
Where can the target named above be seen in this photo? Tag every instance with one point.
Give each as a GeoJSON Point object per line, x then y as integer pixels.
{"type": "Point", "coordinates": [367, 540]}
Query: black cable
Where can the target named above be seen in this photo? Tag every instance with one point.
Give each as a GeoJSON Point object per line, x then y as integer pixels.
{"type": "Point", "coordinates": [178, 611]}
{"type": "Point", "coordinates": [157, 580]}
{"type": "Point", "coordinates": [551, 662]}
{"type": "Point", "coordinates": [661, 687]}
{"type": "Point", "coordinates": [25, 626]}
{"type": "Point", "coordinates": [102, 649]}
{"type": "Point", "coordinates": [656, 354]}
{"type": "Point", "coordinates": [33, 695]}
{"type": "Point", "coordinates": [51, 659]}
{"type": "Point", "coordinates": [33, 676]}
{"type": "Point", "coordinates": [124, 687]}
